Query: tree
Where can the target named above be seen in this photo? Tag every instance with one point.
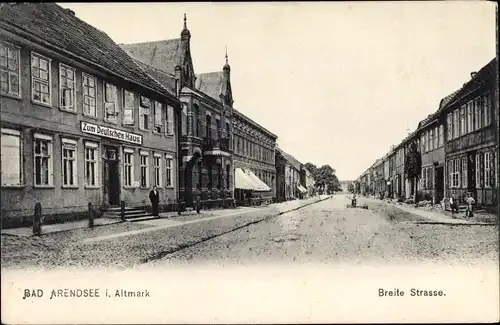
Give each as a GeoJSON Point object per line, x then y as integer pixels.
{"type": "Point", "coordinates": [311, 168]}
{"type": "Point", "coordinates": [413, 165]}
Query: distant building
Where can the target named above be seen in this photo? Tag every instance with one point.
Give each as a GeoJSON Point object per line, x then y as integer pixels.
{"type": "Point", "coordinates": [293, 189]}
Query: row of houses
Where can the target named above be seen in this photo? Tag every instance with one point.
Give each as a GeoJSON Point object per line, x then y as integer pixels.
{"type": "Point", "coordinates": [86, 120]}
{"type": "Point", "coordinates": [456, 149]}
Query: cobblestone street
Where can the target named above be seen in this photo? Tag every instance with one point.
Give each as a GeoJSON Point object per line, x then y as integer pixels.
{"type": "Point", "coordinates": [324, 232]}
{"type": "Point", "coordinates": [328, 232]}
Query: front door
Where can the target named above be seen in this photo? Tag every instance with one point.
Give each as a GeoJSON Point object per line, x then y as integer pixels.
{"type": "Point", "coordinates": [111, 177]}
{"type": "Point", "coordinates": [439, 183]}
{"type": "Point", "coordinates": [471, 173]}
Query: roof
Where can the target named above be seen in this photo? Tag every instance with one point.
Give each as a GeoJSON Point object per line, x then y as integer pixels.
{"type": "Point", "coordinates": [163, 55]}
{"type": "Point", "coordinates": [210, 83]}
{"type": "Point", "coordinates": [447, 99]}
{"type": "Point", "coordinates": [255, 124]}
{"type": "Point", "coordinates": [291, 159]}
{"type": "Point", "coordinates": [483, 76]}
{"type": "Point", "coordinates": [162, 77]}
{"type": "Point", "coordinates": [60, 29]}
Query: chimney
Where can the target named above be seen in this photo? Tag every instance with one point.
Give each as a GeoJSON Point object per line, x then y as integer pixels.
{"type": "Point", "coordinates": [473, 74]}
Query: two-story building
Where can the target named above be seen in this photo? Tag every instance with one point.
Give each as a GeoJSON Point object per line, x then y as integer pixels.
{"type": "Point", "coordinates": [431, 133]}
{"type": "Point", "coordinates": [471, 138]}
{"type": "Point", "coordinates": [254, 159]}
{"type": "Point", "coordinates": [81, 122]}
{"type": "Point", "coordinates": [293, 189]}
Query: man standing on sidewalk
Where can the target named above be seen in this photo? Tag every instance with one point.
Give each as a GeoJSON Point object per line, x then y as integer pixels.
{"type": "Point", "coordinates": [154, 197]}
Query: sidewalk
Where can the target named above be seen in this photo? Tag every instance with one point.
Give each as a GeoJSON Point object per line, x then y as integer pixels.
{"type": "Point", "coordinates": [437, 217]}
{"type": "Point", "coordinates": [171, 216]}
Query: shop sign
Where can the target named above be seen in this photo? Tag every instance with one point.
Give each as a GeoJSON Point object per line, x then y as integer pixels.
{"type": "Point", "coordinates": [108, 132]}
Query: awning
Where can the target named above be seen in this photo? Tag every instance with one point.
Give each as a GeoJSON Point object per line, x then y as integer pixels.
{"type": "Point", "coordinates": [301, 188]}
{"type": "Point", "coordinates": [261, 185]}
{"type": "Point", "coordinates": [243, 182]}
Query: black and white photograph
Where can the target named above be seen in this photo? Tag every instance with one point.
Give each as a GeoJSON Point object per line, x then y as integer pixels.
{"type": "Point", "coordinates": [249, 162]}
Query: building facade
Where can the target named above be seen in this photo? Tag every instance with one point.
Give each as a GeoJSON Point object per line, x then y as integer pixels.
{"type": "Point", "coordinates": [472, 139]}
{"type": "Point", "coordinates": [224, 154]}
{"type": "Point", "coordinates": [280, 163]}
{"type": "Point", "coordinates": [292, 176]}
{"type": "Point", "coordinates": [53, 78]}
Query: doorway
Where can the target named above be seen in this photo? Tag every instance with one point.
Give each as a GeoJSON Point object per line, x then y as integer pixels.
{"type": "Point", "coordinates": [439, 183]}
{"type": "Point", "coordinates": [111, 177]}
{"type": "Point", "coordinates": [471, 173]}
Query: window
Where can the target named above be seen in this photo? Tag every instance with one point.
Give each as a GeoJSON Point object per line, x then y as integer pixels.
{"type": "Point", "coordinates": [168, 171]}
{"type": "Point", "coordinates": [478, 170]}
{"type": "Point", "coordinates": [456, 173]}
{"type": "Point", "coordinates": [170, 120]}
{"type": "Point", "coordinates": [196, 119]}
{"type": "Point", "coordinates": [12, 162]}
{"type": "Point", "coordinates": [478, 116]}
{"type": "Point", "coordinates": [464, 172]}
{"type": "Point", "coordinates": [40, 79]}
{"type": "Point", "coordinates": [69, 172]}
{"type": "Point", "coordinates": [208, 126]}
{"type": "Point", "coordinates": [158, 115]}
{"type": "Point", "coordinates": [43, 160]}
{"type": "Point", "coordinates": [456, 129]}
{"type": "Point", "coordinates": [144, 113]}
{"type": "Point", "coordinates": [89, 95]}
{"type": "Point", "coordinates": [450, 173]}
{"type": "Point", "coordinates": [128, 166]}
{"type": "Point", "coordinates": [487, 169]}
{"type": "Point", "coordinates": [440, 139]}
{"type": "Point", "coordinates": [423, 183]}
{"type": "Point", "coordinates": [422, 143]}
{"type": "Point", "coordinates": [157, 169]}
{"type": "Point", "coordinates": [110, 103]}
{"type": "Point", "coordinates": [217, 125]}
{"type": "Point", "coordinates": [470, 116]}
{"type": "Point", "coordinates": [463, 120]}
{"type": "Point", "coordinates": [487, 109]}
{"type": "Point", "coordinates": [435, 136]}
{"type": "Point", "coordinates": [449, 122]}
{"type": "Point", "coordinates": [128, 107]}
{"type": "Point", "coordinates": [67, 87]}
{"type": "Point", "coordinates": [10, 69]}
{"type": "Point", "coordinates": [430, 134]}
{"type": "Point", "coordinates": [91, 159]}
{"type": "Point", "coordinates": [144, 169]}
{"type": "Point", "coordinates": [184, 119]}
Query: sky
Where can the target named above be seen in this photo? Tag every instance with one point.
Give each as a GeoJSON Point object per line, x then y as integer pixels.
{"type": "Point", "coordinates": [338, 83]}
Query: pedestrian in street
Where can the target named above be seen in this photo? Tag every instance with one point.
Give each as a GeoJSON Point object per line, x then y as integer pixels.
{"type": "Point", "coordinates": [154, 197]}
{"type": "Point", "coordinates": [470, 205]}
{"type": "Point", "coordinates": [453, 206]}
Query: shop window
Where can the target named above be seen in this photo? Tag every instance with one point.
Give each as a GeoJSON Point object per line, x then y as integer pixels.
{"type": "Point", "coordinates": [128, 167]}
{"type": "Point", "coordinates": [157, 169]}
{"type": "Point", "coordinates": [111, 108]}
{"type": "Point", "coordinates": [128, 107]}
{"type": "Point", "coordinates": [69, 172]}
{"type": "Point", "coordinates": [40, 79]}
{"type": "Point", "coordinates": [89, 95]}
{"type": "Point", "coordinates": [10, 69]}
{"type": "Point", "coordinates": [168, 171]}
{"type": "Point", "coordinates": [144, 169]}
{"type": "Point", "coordinates": [158, 117]}
{"type": "Point", "coordinates": [11, 156]}
{"type": "Point", "coordinates": [67, 78]}
{"type": "Point", "coordinates": [43, 160]}
{"type": "Point", "coordinates": [91, 163]}
{"type": "Point", "coordinates": [144, 110]}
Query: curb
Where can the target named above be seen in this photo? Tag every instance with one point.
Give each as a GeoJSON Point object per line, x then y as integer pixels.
{"type": "Point", "coordinates": [201, 240]}
{"type": "Point", "coordinates": [454, 223]}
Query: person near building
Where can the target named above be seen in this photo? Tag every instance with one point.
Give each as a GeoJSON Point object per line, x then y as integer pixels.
{"type": "Point", "coordinates": [470, 205]}
{"type": "Point", "coordinates": [154, 197]}
{"type": "Point", "coordinates": [453, 206]}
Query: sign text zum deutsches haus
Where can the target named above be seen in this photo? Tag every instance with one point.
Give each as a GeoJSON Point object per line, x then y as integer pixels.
{"type": "Point", "coordinates": [108, 132]}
